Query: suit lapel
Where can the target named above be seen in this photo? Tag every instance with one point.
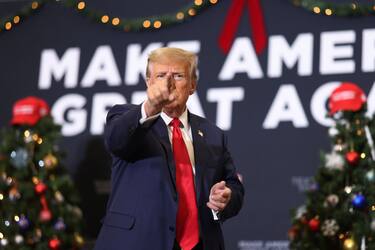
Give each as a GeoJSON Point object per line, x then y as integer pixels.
{"type": "Point", "coordinates": [161, 131]}
{"type": "Point", "coordinates": [199, 149]}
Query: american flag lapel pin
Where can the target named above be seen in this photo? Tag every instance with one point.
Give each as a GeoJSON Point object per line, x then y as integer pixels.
{"type": "Point", "coordinates": [200, 133]}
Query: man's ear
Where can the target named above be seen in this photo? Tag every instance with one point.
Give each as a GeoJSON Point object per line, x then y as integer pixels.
{"type": "Point", "coordinates": [193, 87]}
{"type": "Point", "coordinates": [148, 81]}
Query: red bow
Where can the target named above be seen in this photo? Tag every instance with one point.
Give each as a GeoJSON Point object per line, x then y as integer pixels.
{"type": "Point", "coordinates": [232, 21]}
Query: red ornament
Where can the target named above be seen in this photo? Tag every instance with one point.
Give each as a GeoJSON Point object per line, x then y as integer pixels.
{"type": "Point", "coordinates": [54, 244]}
{"type": "Point", "coordinates": [45, 215]}
{"type": "Point", "coordinates": [352, 157]}
{"type": "Point", "coordinates": [292, 233]}
{"type": "Point", "coordinates": [314, 224]}
{"type": "Point", "coordinates": [40, 188]}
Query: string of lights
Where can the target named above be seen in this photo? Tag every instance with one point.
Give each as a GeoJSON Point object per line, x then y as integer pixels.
{"type": "Point", "coordinates": [348, 9]}
{"type": "Point", "coordinates": [10, 21]}
{"type": "Point", "coordinates": [124, 24]}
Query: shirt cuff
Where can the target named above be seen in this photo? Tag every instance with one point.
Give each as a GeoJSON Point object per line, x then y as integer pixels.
{"type": "Point", "coordinates": [144, 117]}
{"type": "Point", "coordinates": [214, 214]}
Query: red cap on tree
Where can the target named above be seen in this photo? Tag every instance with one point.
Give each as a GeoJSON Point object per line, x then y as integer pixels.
{"type": "Point", "coordinates": [29, 110]}
{"type": "Point", "coordinates": [347, 97]}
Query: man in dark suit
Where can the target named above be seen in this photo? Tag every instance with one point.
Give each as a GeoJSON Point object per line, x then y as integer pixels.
{"type": "Point", "coordinates": [173, 179]}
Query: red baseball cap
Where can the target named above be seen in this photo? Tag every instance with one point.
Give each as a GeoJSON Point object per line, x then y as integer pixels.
{"type": "Point", "coordinates": [347, 97]}
{"type": "Point", "coordinates": [29, 110]}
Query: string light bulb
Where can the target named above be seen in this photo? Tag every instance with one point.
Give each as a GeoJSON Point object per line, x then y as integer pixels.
{"type": "Point", "coordinates": [105, 19]}
{"type": "Point", "coordinates": [115, 21]}
{"type": "Point", "coordinates": [316, 10]}
{"type": "Point", "coordinates": [16, 19]}
{"type": "Point", "coordinates": [34, 5]}
{"type": "Point", "coordinates": [191, 12]}
{"type": "Point", "coordinates": [157, 24]}
{"type": "Point", "coordinates": [146, 24]}
{"type": "Point", "coordinates": [180, 15]}
{"type": "Point", "coordinates": [8, 25]}
{"type": "Point", "coordinates": [198, 2]}
{"type": "Point", "coordinates": [328, 12]}
{"type": "Point", "coordinates": [213, 1]}
{"type": "Point", "coordinates": [81, 5]}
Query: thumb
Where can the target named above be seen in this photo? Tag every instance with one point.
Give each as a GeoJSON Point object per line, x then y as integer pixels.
{"type": "Point", "coordinates": [218, 186]}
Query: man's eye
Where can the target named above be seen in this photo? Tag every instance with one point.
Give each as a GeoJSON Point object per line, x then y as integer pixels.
{"type": "Point", "coordinates": [160, 76]}
{"type": "Point", "coordinates": [178, 76]}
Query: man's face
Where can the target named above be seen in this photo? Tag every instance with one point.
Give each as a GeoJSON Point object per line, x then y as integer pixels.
{"type": "Point", "coordinates": [179, 80]}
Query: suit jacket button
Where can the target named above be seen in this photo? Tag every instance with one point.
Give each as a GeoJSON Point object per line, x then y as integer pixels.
{"type": "Point", "coordinates": [171, 228]}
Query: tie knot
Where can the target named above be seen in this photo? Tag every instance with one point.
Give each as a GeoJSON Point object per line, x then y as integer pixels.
{"type": "Point", "coordinates": [175, 123]}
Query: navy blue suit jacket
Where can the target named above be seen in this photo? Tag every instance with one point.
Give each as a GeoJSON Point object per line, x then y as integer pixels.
{"type": "Point", "coordinates": [141, 211]}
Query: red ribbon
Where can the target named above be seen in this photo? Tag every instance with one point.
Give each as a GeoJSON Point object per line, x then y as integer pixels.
{"type": "Point", "coordinates": [43, 202]}
{"type": "Point", "coordinates": [232, 22]}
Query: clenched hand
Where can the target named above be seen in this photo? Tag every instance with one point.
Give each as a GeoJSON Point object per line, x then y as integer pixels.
{"type": "Point", "coordinates": [219, 196]}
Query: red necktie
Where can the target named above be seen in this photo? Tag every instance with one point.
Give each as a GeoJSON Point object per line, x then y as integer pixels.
{"type": "Point", "coordinates": [187, 233]}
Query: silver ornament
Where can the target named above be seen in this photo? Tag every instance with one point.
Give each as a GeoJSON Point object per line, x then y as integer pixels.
{"type": "Point", "coordinates": [332, 200]}
{"type": "Point", "coordinates": [333, 131]}
{"type": "Point", "coordinates": [19, 158]}
{"type": "Point", "coordinates": [301, 211]}
{"type": "Point", "coordinates": [330, 227]}
{"type": "Point", "coordinates": [4, 242]}
{"type": "Point", "coordinates": [370, 175]}
{"type": "Point", "coordinates": [18, 239]}
{"type": "Point", "coordinates": [334, 161]}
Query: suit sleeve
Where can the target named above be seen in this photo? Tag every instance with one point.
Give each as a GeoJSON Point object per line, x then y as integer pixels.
{"type": "Point", "coordinates": [123, 130]}
{"type": "Point", "coordinates": [232, 181]}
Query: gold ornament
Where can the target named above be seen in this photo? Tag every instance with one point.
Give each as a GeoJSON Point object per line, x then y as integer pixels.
{"type": "Point", "coordinates": [9, 181]}
{"type": "Point", "coordinates": [59, 197]}
{"type": "Point", "coordinates": [38, 235]}
{"type": "Point", "coordinates": [50, 161]}
{"type": "Point", "coordinates": [3, 176]}
{"type": "Point", "coordinates": [35, 180]}
{"type": "Point", "coordinates": [35, 137]}
{"type": "Point", "coordinates": [77, 211]}
{"type": "Point", "coordinates": [14, 194]}
{"type": "Point", "coordinates": [349, 244]}
{"type": "Point", "coordinates": [78, 240]}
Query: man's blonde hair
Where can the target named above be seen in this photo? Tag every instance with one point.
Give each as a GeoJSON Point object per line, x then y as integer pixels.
{"type": "Point", "coordinates": [165, 54]}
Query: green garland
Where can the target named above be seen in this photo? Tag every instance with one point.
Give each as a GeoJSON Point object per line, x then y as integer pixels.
{"type": "Point", "coordinates": [336, 9]}
{"type": "Point", "coordinates": [125, 24]}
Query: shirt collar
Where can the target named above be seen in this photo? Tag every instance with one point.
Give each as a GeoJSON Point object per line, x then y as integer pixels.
{"type": "Point", "coordinates": [183, 118]}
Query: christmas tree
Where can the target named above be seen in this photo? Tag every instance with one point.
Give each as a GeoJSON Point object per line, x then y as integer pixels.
{"type": "Point", "coordinates": [339, 212]}
{"type": "Point", "coordinates": [37, 197]}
